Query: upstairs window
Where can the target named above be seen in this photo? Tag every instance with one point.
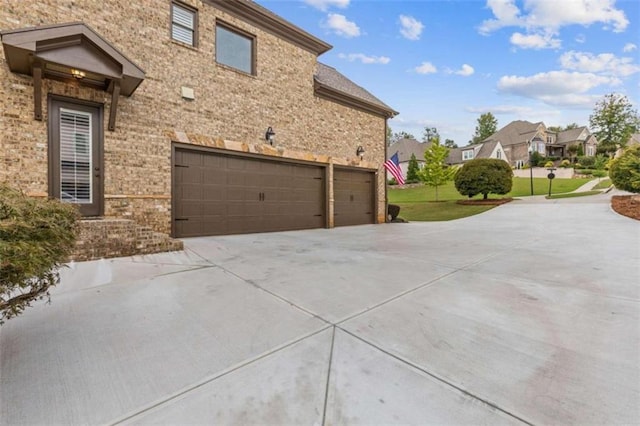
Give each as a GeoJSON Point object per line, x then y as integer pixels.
{"type": "Point", "coordinates": [235, 49]}
{"type": "Point", "coordinates": [467, 155]}
{"type": "Point", "coordinates": [184, 22]}
{"type": "Point", "coordinates": [499, 154]}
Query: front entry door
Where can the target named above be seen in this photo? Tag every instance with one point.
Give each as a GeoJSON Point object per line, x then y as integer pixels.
{"type": "Point", "coordinates": [75, 154]}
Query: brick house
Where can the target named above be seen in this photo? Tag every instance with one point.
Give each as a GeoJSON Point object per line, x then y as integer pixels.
{"type": "Point", "coordinates": [405, 148]}
{"type": "Point", "coordinates": [188, 118]}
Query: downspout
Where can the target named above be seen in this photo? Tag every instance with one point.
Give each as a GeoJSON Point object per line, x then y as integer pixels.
{"type": "Point", "coordinates": [384, 171]}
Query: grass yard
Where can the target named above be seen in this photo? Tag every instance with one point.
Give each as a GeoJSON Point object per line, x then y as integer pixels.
{"type": "Point", "coordinates": [418, 203]}
{"type": "Point", "coordinates": [574, 194]}
{"type": "Point", "coordinates": [603, 184]}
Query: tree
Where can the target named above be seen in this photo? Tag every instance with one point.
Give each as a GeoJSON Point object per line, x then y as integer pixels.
{"type": "Point", "coordinates": [613, 122]}
{"type": "Point", "coordinates": [36, 237]}
{"type": "Point", "coordinates": [413, 170]}
{"type": "Point", "coordinates": [572, 150]}
{"type": "Point", "coordinates": [625, 170]}
{"type": "Point", "coordinates": [389, 135]}
{"type": "Point", "coordinates": [436, 172]}
{"type": "Point", "coordinates": [487, 125]}
{"type": "Point", "coordinates": [484, 176]}
{"type": "Point", "coordinates": [449, 143]}
{"type": "Point", "coordinates": [429, 133]}
{"type": "Point", "coordinates": [401, 135]}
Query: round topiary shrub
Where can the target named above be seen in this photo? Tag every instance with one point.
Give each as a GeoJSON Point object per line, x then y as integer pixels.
{"type": "Point", "coordinates": [548, 164]}
{"type": "Point", "coordinates": [484, 176]}
{"type": "Point", "coordinates": [625, 170]}
{"type": "Point", "coordinates": [36, 237]}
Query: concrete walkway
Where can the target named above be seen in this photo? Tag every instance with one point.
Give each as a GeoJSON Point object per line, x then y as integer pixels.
{"type": "Point", "coordinates": [526, 314]}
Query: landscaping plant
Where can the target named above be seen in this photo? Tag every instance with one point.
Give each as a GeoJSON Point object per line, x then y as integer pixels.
{"type": "Point", "coordinates": [435, 171]}
{"type": "Point", "coordinates": [625, 170]}
{"type": "Point", "coordinates": [36, 237]}
{"type": "Point", "coordinates": [484, 176]}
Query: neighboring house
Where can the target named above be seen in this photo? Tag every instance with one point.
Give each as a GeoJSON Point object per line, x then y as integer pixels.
{"type": "Point", "coordinates": [491, 149]}
{"type": "Point", "coordinates": [518, 136]}
{"type": "Point", "coordinates": [405, 148]}
{"type": "Point", "coordinates": [190, 117]}
{"type": "Point", "coordinates": [634, 139]}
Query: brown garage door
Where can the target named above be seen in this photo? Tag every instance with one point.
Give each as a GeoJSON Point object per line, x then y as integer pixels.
{"type": "Point", "coordinates": [353, 193]}
{"type": "Point", "coordinates": [218, 194]}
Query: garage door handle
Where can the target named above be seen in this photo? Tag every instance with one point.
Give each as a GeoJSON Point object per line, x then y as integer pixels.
{"type": "Point", "coordinates": [181, 218]}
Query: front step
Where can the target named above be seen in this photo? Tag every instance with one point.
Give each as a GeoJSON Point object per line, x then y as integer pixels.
{"type": "Point", "coordinates": [103, 238]}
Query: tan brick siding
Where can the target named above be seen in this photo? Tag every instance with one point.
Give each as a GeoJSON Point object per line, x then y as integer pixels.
{"type": "Point", "coordinates": [229, 106]}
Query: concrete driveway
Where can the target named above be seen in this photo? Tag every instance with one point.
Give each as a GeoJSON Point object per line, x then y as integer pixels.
{"type": "Point", "coordinates": [528, 313]}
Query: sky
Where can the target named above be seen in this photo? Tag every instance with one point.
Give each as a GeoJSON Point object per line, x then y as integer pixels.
{"type": "Point", "coordinates": [443, 63]}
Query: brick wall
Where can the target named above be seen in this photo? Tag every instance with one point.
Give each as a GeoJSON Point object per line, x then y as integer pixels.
{"type": "Point", "coordinates": [230, 108]}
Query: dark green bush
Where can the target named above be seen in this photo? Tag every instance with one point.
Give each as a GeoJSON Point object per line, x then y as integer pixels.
{"type": "Point", "coordinates": [587, 162]}
{"type": "Point", "coordinates": [36, 237]}
{"type": "Point", "coordinates": [625, 170]}
{"type": "Point", "coordinates": [536, 159]}
{"type": "Point", "coordinates": [484, 176]}
{"type": "Point", "coordinates": [392, 181]}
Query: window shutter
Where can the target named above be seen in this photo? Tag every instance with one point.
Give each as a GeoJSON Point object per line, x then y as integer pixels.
{"type": "Point", "coordinates": [75, 156]}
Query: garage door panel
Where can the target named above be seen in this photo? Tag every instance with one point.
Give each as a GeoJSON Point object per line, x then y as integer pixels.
{"type": "Point", "coordinates": [354, 197]}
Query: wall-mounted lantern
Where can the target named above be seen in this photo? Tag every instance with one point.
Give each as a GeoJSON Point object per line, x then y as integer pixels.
{"type": "Point", "coordinates": [270, 135]}
{"type": "Point", "coordinates": [360, 152]}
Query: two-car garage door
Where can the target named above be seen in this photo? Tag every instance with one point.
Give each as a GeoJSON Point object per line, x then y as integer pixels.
{"type": "Point", "coordinates": [218, 193]}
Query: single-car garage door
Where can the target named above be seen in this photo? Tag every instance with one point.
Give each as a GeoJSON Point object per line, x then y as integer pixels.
{"type": "Point", "coordinates": [218, 194]}
{"type": "Point", "coordinates": [354, 199]}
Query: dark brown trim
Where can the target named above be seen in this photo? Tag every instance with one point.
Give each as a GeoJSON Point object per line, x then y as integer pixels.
{"type": "Point", "coordinates": [195, 22]}
{"type": "Point", "coordinates": [266, 20]}
{"type": "Point", "coordinates": [242, 33]}
{"type": "Point", "coordinates": [114, 105]}
{"type": "Point", "coordinates": [37, 91]}
{"type": "Point", "coordinates": [329, 93]}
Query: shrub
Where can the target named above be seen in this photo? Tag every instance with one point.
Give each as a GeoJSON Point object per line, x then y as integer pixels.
{"type": "Point", "coordinates": [536, 159]}
{"type": "Point", "coordinates": [548, 164]}
{"type": "Point", "coordinates": [586, 172]}
{"type": "Point", "coordinates": [36, 237]}
{"type": "Point", "coordinates": [587, 162]}
{"type": "Point", "coordinates": [577, 166]}
{"type": "Point", "coordinates": [600, 162]}
{"type": "Point", "coordinates": [565, 163]}
{"type": "Point", "coordinates": [392, 181]}
{"type": "Point", "coordinates": [484, 176]}
{"type": "Point", "coordinates": [599, 173]}
{"type": "Point", "coordinates": [625, 170]}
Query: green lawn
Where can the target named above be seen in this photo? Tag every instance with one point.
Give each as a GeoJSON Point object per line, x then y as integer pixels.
{"type": "Point", "coordinates": [603, 184]}
{"type": "Point", "coordinates": [418, 204]}
{"type": "Point", "coordinates": [575, 194]}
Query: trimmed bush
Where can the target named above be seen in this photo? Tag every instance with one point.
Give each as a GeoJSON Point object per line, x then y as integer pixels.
{"type": "Point", "coordinates": [565, 164]}
{"type": "Point", "coordinates": [484, 176]}
{"type": "Point", "coordinates": [587, 162]}
{"type": "Point", "coordinates": [548, 164]}
{"type": "Point", "coordinates": [36, 237]}
{"type": "Point", "coordinates": [392, 181]}
{"type": "Point", "coordinates": [625, 170]}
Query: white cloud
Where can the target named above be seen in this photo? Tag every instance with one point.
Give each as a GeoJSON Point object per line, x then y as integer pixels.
{"type": "Point", "coordinates": [535, 41]}
{"type": "Point", "coordinates": [364, 58]}
{"type": "Point", "coordinates": [629, 47]}
{"type": "Point", "coordinates": [604, 63]}
{"type": "Point", "coordinates": [581, 38]}
{"type": "Point", "coordinates": [325, 4]}
{"type": "Point", "coordinates": [340, 25]}
{"type": "Point", "coordinates": [502, 110]}
{"type": "Point", "coordinates": [557, 87]}
{"type": "Point", "coordinates": [410, 27]}
{"type": "Point", "coordinates": [553, 14]}
{"type": "Point", "coordinates": [465, 71]}
{"type": "Point", "coordinates": [426, 68]}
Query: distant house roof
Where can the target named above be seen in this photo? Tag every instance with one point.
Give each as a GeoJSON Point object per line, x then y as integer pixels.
{"type": "Point", "coordinates": [405, 147]}
{"type": "Point", "coordinates": [335, 86]}
{"type": "Point", "coordinates": [516, 132]}
{"type": "Point", "coordinates": [486, 149]}
{"type": "Point", "coordinates": [481, 150]}
{"type": "Point", "coordinates": [571, 135]}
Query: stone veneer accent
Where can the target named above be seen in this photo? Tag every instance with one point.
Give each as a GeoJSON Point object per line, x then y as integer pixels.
{"type": "Point", "coordinates": [231, 110]}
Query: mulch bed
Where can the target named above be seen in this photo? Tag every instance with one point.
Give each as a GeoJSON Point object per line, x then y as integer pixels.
{"type": "Point", "coordinates": [489, 202]}
{"type": "Point", "coordinates": [627, 205]}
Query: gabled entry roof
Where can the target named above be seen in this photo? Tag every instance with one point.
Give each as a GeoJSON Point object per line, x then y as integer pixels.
{"type": "Point", "coordinates": [63, 48]}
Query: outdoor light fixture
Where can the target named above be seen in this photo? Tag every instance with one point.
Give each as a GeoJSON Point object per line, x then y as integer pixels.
{"type": "Point", "coordinates": [270, 135]}
{"type": "Point", "coordinates": [78, 74]}
{"type": "Point", "coordinates": [360, 152]}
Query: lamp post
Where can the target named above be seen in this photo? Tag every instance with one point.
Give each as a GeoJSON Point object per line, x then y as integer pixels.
{"type": "Point", "coordinates": [530, 150]}
{"type": "Point", "coordinates": [551, 175]}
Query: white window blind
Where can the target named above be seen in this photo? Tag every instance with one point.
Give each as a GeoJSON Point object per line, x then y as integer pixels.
{"type": "Point", "coordinates": [183, 25]}
{"type": "Point", "coordinates": [75, 156]}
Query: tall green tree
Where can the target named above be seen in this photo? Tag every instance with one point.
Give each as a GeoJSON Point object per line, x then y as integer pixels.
{"type": "Point", "coordinates": [401, 135]}
{"type": "Point", "coordinates": [450, 143]}
{"type": "Point", "coordinates": [487, 125]}
{"type": "Point", "coordinates": [413, 170]}
{"type": "Point", "coordinates": [429, 133]}
{"type": "Point", "coordinates": [436, 172]}
{"type": "Point", "coordinates": [613, 122]}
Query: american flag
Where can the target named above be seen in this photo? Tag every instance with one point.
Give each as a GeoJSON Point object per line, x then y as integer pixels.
{"type": "Point", "coordinates": [393, 166]}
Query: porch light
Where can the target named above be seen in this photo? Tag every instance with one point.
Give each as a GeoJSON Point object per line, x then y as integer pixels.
{"type": "Point", "coordinates": [78, 74]}
{"type": "Point", "coordinates": [270, 135]}
{"type": "Point", "coordinates": [360, 152]}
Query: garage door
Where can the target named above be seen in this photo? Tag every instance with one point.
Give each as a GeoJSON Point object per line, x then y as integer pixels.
{"type": "Point", "coordinates": [218, 194]}
{"type": "Point", "coordinates": [354, 200]}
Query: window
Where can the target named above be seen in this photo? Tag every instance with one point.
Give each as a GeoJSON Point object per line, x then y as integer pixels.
{"type": "Point", "coordinates": [590, 151]}
{"type": "Point", "coordinates": [499, 154]}
{"type": "Point", "coordinates": [467, 155]}
{"type": "Point", "coordinates": [235, 49]}
{"type": "Point", "coordinates": [184, 22]}
{"type": "Point", "coordinates": [549, 139]}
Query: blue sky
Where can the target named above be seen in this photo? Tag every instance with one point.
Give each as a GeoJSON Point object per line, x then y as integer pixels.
{"type": "Point", "coordinates": [442, 63]}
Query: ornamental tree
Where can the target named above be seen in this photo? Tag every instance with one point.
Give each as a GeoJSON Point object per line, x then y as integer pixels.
{"type": "Point", "coordinates": [613, 121]}
{"type": "Point", "coordinates": [36, 237]}
{"type": "Point", "coordinates": [413, 170]}
{"type": "Point", "coordinates": [484, 176]}
{"type": "Point", "coordinates": [625, 170]}
{"type": "Point", "coordinates": [436, 172]}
